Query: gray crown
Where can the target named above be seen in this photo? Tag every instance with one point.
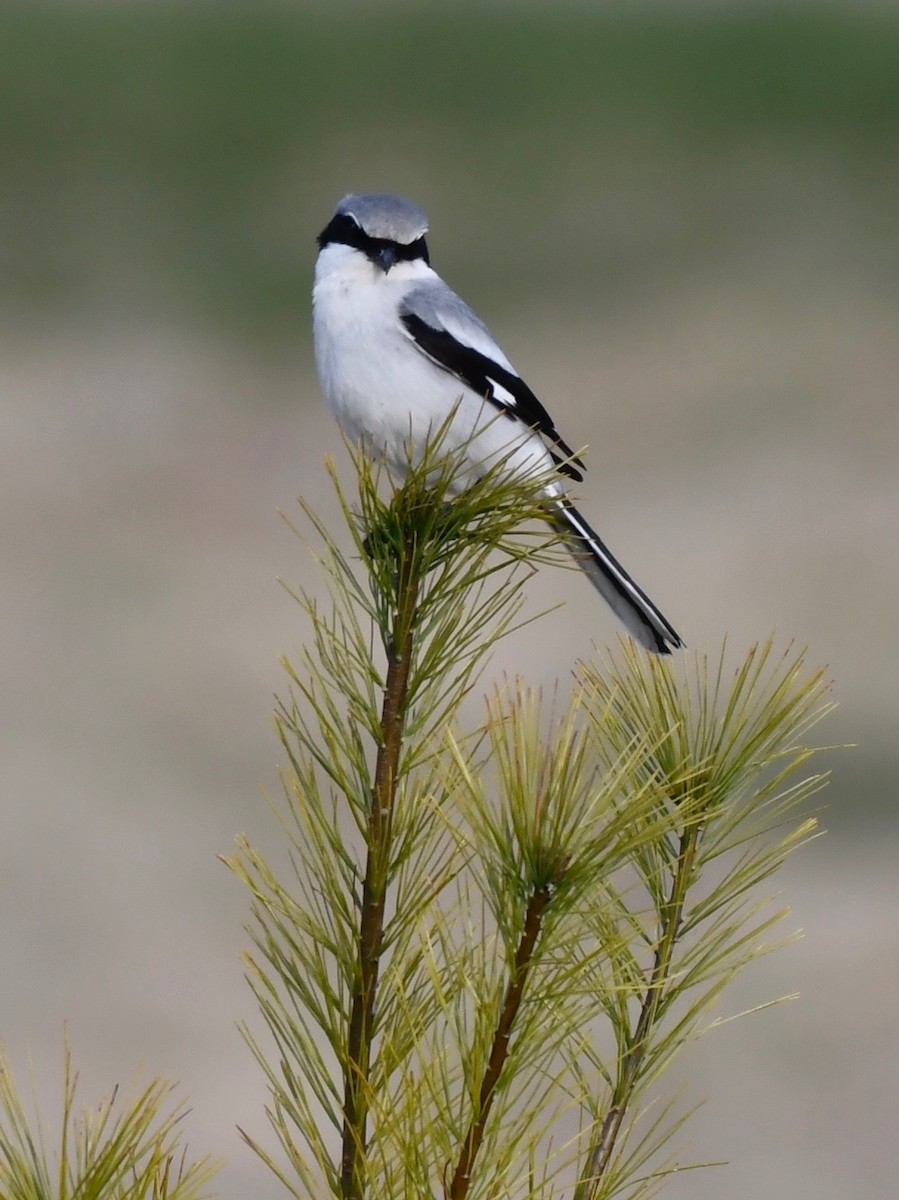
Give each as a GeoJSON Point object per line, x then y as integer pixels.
{"type": "Point", "coordinates": [381, 215]}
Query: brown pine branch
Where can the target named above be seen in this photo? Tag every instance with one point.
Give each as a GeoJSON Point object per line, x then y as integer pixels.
{"type": "Point", "coordinates": [374, 890]}
{"type": "Point", "coordinates": [458, 1189]}
{"type": "Point", "coordinates": [629, 1067]}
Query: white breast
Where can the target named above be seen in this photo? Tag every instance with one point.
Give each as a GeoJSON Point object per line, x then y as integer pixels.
{"type": "Point", "coordinates": [381, 388]}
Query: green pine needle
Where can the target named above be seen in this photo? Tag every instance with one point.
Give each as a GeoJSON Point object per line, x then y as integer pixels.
{"type": "Point", "coordinates": [492, 943]}
{"type": "Point", "coordinates": [124, 1148]}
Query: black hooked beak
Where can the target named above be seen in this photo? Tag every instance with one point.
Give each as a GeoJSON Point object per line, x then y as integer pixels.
{"type": "Point", "coordinates": [387, 257]}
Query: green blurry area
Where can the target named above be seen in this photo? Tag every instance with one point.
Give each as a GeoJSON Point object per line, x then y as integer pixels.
{"type": "Point", "coordinates": [175, 160]}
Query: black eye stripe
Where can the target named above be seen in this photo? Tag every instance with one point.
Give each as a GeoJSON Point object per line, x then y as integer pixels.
{"type": "Point", "coordinates": [343, 229]}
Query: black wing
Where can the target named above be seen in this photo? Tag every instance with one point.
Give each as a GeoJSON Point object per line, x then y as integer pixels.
{"type": "Point", "coordinates": [483, 376]}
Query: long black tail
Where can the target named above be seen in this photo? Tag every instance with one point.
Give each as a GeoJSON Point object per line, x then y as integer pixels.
{"type": "Point", "coordinates": [629, 603]}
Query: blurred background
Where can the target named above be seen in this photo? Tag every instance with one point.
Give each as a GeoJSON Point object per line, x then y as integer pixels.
{"type": "Point", "coordinates": [681, 220]}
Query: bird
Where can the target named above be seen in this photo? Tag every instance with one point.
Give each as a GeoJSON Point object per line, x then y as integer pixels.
{"type": "Point", "coordinates": [399, 353]}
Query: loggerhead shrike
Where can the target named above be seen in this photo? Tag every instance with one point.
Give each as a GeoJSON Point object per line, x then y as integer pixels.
{"type": "Point", "coordinates": [397, 349]}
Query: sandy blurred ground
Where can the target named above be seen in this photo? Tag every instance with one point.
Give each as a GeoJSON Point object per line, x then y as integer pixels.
{"type": "Point", "coordinates": [743, 430]}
